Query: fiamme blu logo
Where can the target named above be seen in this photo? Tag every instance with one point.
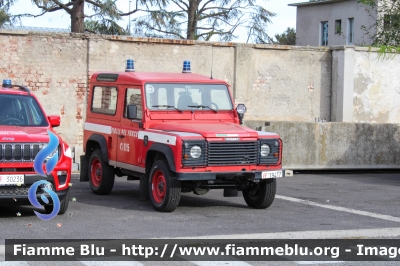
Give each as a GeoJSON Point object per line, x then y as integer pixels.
{"type": "Point", "coordinates": [46, 158]}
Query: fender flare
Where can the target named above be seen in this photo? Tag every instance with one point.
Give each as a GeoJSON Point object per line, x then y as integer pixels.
{"type": "Point", "coordinates": [101, 140]}
{"type": "Point", "coordinates": [167, 151]}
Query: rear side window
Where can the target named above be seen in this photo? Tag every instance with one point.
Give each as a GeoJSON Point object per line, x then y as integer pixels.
{"type": "Point", "coordinates": [104, 100]}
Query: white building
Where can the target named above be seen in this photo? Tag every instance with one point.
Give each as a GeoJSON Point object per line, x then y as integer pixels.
{"type": "Point", "coordinates": [332, 22]}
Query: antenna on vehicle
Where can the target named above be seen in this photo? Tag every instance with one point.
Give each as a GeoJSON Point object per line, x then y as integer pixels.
{"type": "Point", "coordinates": [212, 59]}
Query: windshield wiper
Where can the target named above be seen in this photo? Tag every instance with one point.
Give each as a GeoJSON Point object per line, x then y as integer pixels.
{"type": "Point", "coordinates": [168, 106]}
{"type": "Point", "coordinates": [203, 106]}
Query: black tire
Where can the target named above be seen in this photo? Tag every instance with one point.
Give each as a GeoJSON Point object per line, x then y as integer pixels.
{"type": "Point", "coordinates": [101, 175]}
{"type": "Point", "coordinates": [164, 189]}
{"type": "Point", "coordinates": [63, 205]}
{"type": "Point", "coordinates": [260, 195]}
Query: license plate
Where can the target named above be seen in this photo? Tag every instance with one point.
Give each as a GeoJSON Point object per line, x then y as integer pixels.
{"type": "Point", "coordinates": [271, 174]}
{"type": "Point", "coordinates": [11, 179]}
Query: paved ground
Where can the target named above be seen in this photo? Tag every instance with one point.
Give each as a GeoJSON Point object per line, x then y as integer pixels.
{"type": "Point", "coordinates": [324, 205]}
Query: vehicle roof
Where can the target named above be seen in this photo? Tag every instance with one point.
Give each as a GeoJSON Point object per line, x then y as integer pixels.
{"type": "Point", "coordinates": [140, 77]}
{"type": "Point", "coordinates": [15, 91]}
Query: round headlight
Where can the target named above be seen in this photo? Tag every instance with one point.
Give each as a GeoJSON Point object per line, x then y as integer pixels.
{"type": "Point", "coordinates": [241, 109]}
{"type": "Point", "coordinates": [195, 151]}
{"type": "Point", "coordinates": [265, 150]}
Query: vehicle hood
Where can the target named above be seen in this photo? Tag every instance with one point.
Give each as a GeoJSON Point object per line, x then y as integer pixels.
{"type": "Point", "coordinates": [208, 130]}
{"type": "Point", "coordinates": [23, 134]}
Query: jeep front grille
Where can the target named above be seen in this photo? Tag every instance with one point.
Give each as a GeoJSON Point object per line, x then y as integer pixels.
{"type": "Point", "coordinates": [19, 152]}
{"type": "Point", "coordinates": [14, 190]}
{"type": "Point", "coordinates": [232, 153]}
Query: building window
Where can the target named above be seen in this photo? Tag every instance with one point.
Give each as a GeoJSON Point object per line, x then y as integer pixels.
{"type": "Point", "coordinates": [324, 33]}
{"type": "Point", "coordinates": [338, 26]}
{"type": "Point", "coordinates": [391, 21]}
{"type": "Point", "coordinates": [350, 37]}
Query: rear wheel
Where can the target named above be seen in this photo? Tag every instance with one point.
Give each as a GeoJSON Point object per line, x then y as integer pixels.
{"type": "Point", "coordinates": [164, 189]}
{"type": "Point", "coordinates": [101, 175]}
{"type": "Point", "coordinates": [260, 195]}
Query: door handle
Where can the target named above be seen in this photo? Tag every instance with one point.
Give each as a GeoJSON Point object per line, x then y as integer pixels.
{"type": "Point", "coordinates": [121, 136]}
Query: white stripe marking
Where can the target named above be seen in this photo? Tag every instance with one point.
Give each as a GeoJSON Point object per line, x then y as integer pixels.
{"type": "Point", "coordinates": [159, 138]}
{"type": "Point", "coordinates": [97, 128]}
{"type": "Point", "coordinates": [342, 209]}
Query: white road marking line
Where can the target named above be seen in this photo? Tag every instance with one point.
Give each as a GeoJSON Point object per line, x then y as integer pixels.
{"type": "Point", "coordinates": [324, 234]}
{"type": "Point", "coordinates": [342, 209]}
{"type": "Point", "coordinates": [317, 262]}
{"type": "Point", "coordinates": [14, 263]}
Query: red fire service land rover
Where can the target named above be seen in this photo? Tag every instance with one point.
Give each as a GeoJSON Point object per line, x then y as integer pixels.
{"type": "Point", "coordinates": [25, 132]}
{"type": "Point", "coordinates": [176, 133]}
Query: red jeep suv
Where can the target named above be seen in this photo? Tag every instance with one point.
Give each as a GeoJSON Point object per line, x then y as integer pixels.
{"type": "Point", "coordinates": [24, 132]}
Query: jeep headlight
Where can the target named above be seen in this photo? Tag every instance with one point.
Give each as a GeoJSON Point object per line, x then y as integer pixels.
{"type": "Point", "coordinates": [265, 150]}
{"type": "Point", "coordinates": [53, 153]}
{"type": "Point", "coordinates": [195, 152]}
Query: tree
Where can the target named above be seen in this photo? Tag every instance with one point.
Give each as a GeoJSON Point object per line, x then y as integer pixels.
{"type": "Point", "coordinates": [105, 26]}
{"type": "Point", "coordinates": [105, 12]}
{"type": "Point", "coordinates": [386, 30]}
{"type": "Point", "coordinates": [288, 37]}
{"type": "Point", "coordinates": [5, 17]}
{"type": "Point", "coordinates": [204, 19]}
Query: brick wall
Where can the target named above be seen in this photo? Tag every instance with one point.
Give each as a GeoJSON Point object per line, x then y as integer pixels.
{"type": "Point", "coordinates": [54, 68]}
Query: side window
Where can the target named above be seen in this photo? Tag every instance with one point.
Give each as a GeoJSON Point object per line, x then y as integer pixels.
{"type": "Point", "coordinates": [134, 96]}
{"type": "Point", "coordinates": [104, 100]}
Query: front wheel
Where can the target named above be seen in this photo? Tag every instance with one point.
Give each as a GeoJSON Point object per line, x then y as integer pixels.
{"type": "Point", "coordinates": [260, 195]}
{"type": "Point", "coordinates": [63, 205]}
{"type": "Point", "coordinates": [101, 175]}
{"type": "Point", "coordinates": [164, 189]}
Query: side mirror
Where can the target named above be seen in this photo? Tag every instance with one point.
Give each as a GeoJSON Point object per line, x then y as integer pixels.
{"type": "Point", "coordinates": [54, 120]}
{"type": "Point", "coordinates": [132, 111]}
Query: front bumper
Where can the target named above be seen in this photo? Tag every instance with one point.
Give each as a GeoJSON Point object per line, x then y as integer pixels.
{"type": "Point", "coordinates": [13, 194]}
{"type": "Point", "coordinates": [251, 175]}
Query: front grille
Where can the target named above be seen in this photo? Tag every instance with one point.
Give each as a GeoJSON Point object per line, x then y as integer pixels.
{"type": "Point", "coordinates": [14, 190]}
{"type": "Point", "coordinates": [232, 153]}
{"type": "Point", "coordinates": [19, 152]}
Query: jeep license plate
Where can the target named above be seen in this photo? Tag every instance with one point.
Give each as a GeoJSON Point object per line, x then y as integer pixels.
{"type": "Point", "coordinates": [11, 179]}
{"type": "Point", "coordinates": [271, 174]}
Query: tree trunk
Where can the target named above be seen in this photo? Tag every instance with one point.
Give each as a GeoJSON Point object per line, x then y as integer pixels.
{"type": "Point", "coordinates": [192, 20]}
{"type": "Point", "coordinates": [78, 16]}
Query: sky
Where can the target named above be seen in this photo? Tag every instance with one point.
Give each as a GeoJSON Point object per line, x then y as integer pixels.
{"type": "Point", "coordinates": [285, 15]}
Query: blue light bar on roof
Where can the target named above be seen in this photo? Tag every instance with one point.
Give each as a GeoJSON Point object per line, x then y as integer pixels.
{"type": "Point", "coordinates": [7, 83]}
{"type": "Point", "coordinates": [186, 67]}
{"type": "Point", "coordinates": [130, 65]}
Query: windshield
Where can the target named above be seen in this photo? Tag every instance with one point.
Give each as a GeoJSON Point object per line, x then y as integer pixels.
{"type": "Point", "coordinates": [187, 97]}
{"type": "Point", "coordinates": [21, 111]}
